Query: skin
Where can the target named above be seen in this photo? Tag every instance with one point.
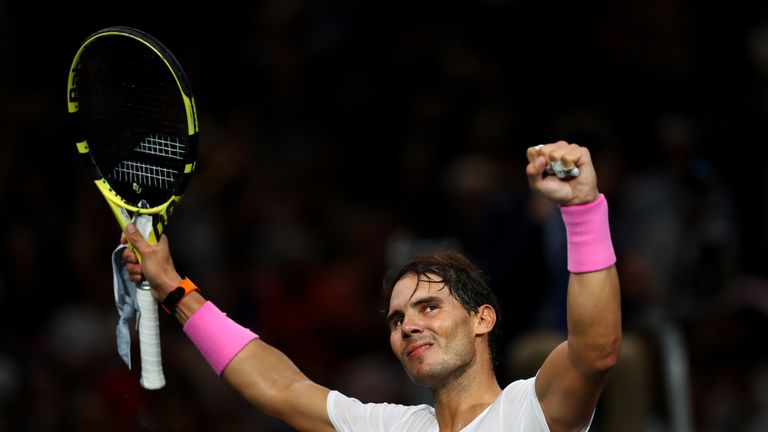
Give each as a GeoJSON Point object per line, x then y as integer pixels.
{"type": "Point", "coordinates": [443, 346]}
{"type": "Point", "coordinates": [573, 376]}
{"type": "Point", "coordinates": [439, 343]}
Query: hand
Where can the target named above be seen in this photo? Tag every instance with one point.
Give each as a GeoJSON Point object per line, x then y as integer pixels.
{"type": "Point", "coordinates": [572, 191]}
{"type": "Point", "coordinates": [156, 264]}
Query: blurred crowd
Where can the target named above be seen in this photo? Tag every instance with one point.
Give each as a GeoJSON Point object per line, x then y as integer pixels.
{"type": "Point", "coordinates": [338, 139]}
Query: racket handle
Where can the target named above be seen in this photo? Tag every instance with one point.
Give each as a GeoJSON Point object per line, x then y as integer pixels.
{"type": "Point", "coordinates": [152, 377]}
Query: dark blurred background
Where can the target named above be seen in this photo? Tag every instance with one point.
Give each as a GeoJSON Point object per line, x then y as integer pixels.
{"type": "Point", "coordinates": [338, 138]}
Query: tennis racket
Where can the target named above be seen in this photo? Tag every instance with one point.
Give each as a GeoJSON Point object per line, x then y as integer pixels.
{"type": "Point", "coordinates": [135, 126]}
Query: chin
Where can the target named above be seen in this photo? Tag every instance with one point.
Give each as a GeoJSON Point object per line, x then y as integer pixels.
{"type": "Point", "coordinates": [422, 380]}
{"type": "Point", "coordinates": [426, 375]}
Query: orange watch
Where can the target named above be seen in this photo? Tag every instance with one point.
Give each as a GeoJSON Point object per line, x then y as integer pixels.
{"type": "Point", "coordinates": [174, 297]}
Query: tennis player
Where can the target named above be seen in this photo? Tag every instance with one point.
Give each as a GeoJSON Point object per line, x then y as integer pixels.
{"type": "Point", "coordinates": [441, 318]}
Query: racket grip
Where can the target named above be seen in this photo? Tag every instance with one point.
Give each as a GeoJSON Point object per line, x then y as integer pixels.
{"type": "Point", "coordinates": [152, 377]}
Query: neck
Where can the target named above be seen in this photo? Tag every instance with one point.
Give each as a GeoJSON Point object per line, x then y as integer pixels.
{"type": "Point", "coordinates": [458, 403]}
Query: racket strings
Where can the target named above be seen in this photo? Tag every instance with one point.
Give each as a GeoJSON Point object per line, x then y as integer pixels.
{"type": "Point", "coordinates": [133, 114]}
{"type": "Point", "coordinates": [163, 145]}
{"type": "Point", "coordinates": [144, 174]}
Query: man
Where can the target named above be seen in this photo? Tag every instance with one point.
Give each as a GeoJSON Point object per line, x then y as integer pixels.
{"type": "Point", "coordinates": [441, 316]}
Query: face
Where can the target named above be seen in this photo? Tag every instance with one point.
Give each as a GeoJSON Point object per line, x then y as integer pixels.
{"type": "Point", "coordinates": [431, 333]}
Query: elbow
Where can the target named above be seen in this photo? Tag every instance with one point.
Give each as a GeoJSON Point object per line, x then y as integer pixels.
{"type": "Point", "coordinates": [598, 359]}
{"type": "Point", "coordinates": [606, 356]}
{"type": "Point", "coordinates": [280, 402]}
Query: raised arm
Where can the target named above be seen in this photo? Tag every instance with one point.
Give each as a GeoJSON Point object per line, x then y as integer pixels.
{"type": "Point", "coordinates": [259, 372]}
{"type": "Point", "coordinates": [572, 378]}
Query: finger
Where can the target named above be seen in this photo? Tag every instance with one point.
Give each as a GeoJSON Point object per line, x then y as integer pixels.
{"type": "Point", "coordinates": [123, 238]}
{"type": "Point", "coordinates": [568, 163]}
{"type": "Point", "coordinates": [133, 269]}
{"type": "Point", "coordinates": [564, 170]}
{"type": "Point", "coordinates": [136, 239]}
{"type": "Point", "coordinates": [533, 152]}
{"type": "Point", "coordinates": [129, 256]}
{"type": "Point", "coordinates": [534, 171]}
{"type": "Point", "coordinates": [568, 155]}
{"type": "Point", "coordinates": [577, 157]}
{"type": "Point", "coordinates": [536, 167]}
{"type": "Point", "coordinates": [538, 159]}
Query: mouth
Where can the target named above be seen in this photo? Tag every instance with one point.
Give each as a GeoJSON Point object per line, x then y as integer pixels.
{"type": "Point", "coordinates": [416, 350]}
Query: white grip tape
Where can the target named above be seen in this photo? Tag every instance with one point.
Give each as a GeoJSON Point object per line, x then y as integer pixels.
{"type": "Point", "coordinates": [152, 377]}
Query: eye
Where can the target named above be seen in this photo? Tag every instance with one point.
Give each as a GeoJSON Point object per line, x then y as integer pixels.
{"type": "Point", "coordinates": [396, 322]}
{"type": "Point", "coordinates": [430, 308]}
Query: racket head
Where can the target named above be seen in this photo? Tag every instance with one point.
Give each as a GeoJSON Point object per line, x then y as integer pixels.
{"type": "Point", "coordinates": [135, 122]}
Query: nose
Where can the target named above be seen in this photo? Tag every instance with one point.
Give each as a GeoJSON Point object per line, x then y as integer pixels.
{"type": "Point", "coordinates": [411, 326]}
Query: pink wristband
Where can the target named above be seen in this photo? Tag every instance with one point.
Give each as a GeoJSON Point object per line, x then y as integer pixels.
{"type": "Point", "coordinates": [217, 337]}
{"type": "Point", "coordinates": [589, 236]}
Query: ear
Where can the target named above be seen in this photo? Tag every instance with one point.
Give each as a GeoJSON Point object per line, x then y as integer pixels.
{"type": "Point", "coordinates": [485, 319]}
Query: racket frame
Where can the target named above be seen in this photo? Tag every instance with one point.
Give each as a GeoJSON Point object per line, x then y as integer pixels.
{"type": "Point", "coordinates": [149, 339]}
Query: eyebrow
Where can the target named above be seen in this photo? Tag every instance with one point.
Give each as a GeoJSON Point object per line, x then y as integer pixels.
{"type": "Point", "coordinates": [397, 313]}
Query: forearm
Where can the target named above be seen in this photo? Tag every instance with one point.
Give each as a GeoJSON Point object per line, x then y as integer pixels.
{"type": "Point", "coordinates": [262, 374]}
{"type": "Point", "coordinates": [269, 380]}
{"type": "Point", "coordinates": [594, 321]}
{"type": "Point", "coordinates": [594, 309]}
{"type": "Point", "coordinates": [256, 370]}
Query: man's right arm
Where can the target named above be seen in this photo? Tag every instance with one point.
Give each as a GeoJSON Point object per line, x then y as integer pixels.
{"type": "Point", "coordinates": [263, 375]}
{"type": "Point", "coordinates": [269, 380]}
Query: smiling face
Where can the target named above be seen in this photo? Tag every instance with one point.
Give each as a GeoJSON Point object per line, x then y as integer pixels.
{"type": "Point", "coordinates": [431, 333]}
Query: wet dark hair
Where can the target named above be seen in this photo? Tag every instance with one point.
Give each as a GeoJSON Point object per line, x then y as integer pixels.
{"type": "Point", "coordinates": [466, 283]}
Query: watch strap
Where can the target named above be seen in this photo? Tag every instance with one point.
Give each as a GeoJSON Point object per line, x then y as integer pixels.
{"type": "Point", "coordinates": [173, 298]}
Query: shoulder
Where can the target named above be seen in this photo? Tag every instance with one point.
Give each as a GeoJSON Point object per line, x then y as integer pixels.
{"type": "Point", "coordinates": [520, 389]}
{"type": "Point", "coordinates": [521, 407]}
{"type": "Point", "coordinates": [349, 414]}
{"type": "Point", "coordinates": [516, 409]}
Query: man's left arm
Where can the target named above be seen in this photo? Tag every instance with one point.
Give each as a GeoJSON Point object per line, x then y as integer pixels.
{"type": "Point", "coordinates": [572, 378]}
